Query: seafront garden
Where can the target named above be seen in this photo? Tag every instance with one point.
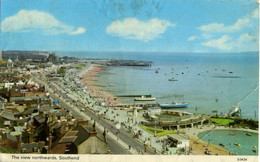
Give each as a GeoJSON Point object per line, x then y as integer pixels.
{"type": "Point", "coordinates": [105, 105]}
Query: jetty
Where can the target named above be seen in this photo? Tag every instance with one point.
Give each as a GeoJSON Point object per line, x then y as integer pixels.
{"type": "Point", "coordinates": [128, 63]}
{"type": "Point", "coordinates": [142, 105]}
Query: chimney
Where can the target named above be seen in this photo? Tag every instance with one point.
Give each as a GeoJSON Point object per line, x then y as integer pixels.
{"type": "Point", "coordinates": [92, 133]}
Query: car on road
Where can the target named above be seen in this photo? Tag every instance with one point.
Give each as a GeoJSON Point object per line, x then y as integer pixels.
{"type": "Point", "coordinates": [82, 110]}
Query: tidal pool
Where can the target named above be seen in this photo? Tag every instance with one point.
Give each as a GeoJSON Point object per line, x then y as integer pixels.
{"type": "Point", "coordinates": [229, 137]}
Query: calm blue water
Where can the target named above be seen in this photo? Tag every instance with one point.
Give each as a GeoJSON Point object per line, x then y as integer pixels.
{"type": "Point", "coordinates": [200, 79]}
{"type": "Point", "coordinates": [247, 143]}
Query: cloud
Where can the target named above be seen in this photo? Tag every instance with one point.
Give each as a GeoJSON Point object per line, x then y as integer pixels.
{"type": "Point", "coordinates": [192, 38]}
{"type": "Point", "coordinates": [33, 20]}
{"type": "Point", "coordinates": [132, 28]}
{"type": "Point", "coordinates": [241, 23]}
{"type": "Point", "coordinates": [245, 42]}
{"type": "Point", "coordinates": [78, 31]}
{"type": "Point", "coordinates": [220, 43]}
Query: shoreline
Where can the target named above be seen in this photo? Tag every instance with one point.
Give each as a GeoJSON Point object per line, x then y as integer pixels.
{"type": "Point", "coordinates": [88, 78]}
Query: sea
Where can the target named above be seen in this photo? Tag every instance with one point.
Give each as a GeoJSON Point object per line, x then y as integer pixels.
{"type": "Point", "coordinates": [208, 82]}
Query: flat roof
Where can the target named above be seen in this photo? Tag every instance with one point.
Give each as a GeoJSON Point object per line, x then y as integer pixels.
{"type": "Point", "coordinates": [178, 137]}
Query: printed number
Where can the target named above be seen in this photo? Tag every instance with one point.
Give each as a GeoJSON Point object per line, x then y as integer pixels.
{"type": "Point", "coordinates": [241, 159]}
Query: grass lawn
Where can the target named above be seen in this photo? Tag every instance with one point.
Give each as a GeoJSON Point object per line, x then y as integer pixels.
{"type": "Point", "coordinates": [79, 66]}
{"type": "Point", "coordinates": [159, 132]}
{"type": "Point", "coordinates": [222, 121]}
{"type": "Point", "coordinates": [7, 150]}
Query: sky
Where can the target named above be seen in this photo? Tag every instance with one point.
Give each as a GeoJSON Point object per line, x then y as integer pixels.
{"type": "Point", "coordinates": [133, 25]}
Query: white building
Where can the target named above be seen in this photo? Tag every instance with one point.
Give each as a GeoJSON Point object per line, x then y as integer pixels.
{"type": "Point", "coordinates": [182, 142]}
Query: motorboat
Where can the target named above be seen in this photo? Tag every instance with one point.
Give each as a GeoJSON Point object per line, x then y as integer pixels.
{"type": "Point", "coordinates": [237, 144]}
{"type": "Point", "coordinates": [248, 134]}
{"type": "Point", "coordinates": [172, 79]}
{"type": "Point", "coordinates": [144, 98]}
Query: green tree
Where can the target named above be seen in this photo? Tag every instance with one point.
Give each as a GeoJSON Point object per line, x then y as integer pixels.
{"type": "Point", "coordinates": [61, 70]}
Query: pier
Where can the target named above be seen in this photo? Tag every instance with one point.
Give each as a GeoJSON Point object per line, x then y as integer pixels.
{"type": "Point", "coordinates": [128, 63]}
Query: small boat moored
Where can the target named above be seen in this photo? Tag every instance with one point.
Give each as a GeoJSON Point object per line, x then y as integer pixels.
{"type": "Point", "coordinates": [248, 134]}
{"type": "Point", "coordinates": [143, 98]}
{"type": "Point", "coordinates": [237, 144]}
{"type": "Point", "coordinates": [254, 149]}
{"type": "Point", "coordinates": [172, 79]}
{"type": "Point", "coordinates": [221, 144]}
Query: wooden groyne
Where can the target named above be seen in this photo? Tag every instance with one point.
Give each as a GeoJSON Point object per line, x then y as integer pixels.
{"type": "Point", "coordinates": [134, 95]}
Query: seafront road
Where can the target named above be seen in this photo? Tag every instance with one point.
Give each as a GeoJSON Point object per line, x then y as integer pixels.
{"type": "Point", "coordinates": [116, 146]}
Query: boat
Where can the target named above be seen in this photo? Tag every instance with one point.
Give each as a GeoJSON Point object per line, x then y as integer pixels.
{"type": "Point", "coordinates": [231, 134]}
{"type": "Point", "coordinates": [237, 144]}
{"type": "Point", "coordinates": [221, 144]}
{"type": "Point", "coordinates": [248, 134]}
{"type": "Point", "coordinates": [174, 105]}
{"type": "Point", "coordinates": [254, 149]}
{"type": "Point", "coordinates": [172, 79]}
{"type": "Point", "coordinates": [112, 85]}
{"type": "Point", "coordinates": [143, 98]}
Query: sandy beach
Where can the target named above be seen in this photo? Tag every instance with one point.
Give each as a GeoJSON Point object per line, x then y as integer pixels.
{"type": "Point", "coordinates": [95, 92]}
{"type": "Point", "coordinates": [199, 147]}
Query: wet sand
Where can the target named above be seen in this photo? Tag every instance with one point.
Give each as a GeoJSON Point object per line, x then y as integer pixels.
{"type": "Point", "coordinates": [199, 147]}
{"type": "Point", "coordinates": [95, 92]}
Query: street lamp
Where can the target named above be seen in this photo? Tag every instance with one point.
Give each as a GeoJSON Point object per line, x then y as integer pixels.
{"type": "Point", "coordinates": [155, 129]}
{"type": "Point", "coordinates": [99, 116]}
{"type": "Point", "coordinates": [145, 146]}
{"type": "Point", "coordinates": [118, 126]}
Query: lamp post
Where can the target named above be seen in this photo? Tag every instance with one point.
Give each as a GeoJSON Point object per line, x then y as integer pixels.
{"type": "Point", "coordinates": [145, 146]}
{"type": "Point", "coordinates": [118, 126]}
{"type": "Point", "coordinates": [99, 116]}
{"type": "Point", "coordinates": [155, 129]}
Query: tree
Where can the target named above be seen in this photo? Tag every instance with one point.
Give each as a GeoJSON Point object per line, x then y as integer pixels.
{"type": "Point", "coordinates": [61, 70]}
